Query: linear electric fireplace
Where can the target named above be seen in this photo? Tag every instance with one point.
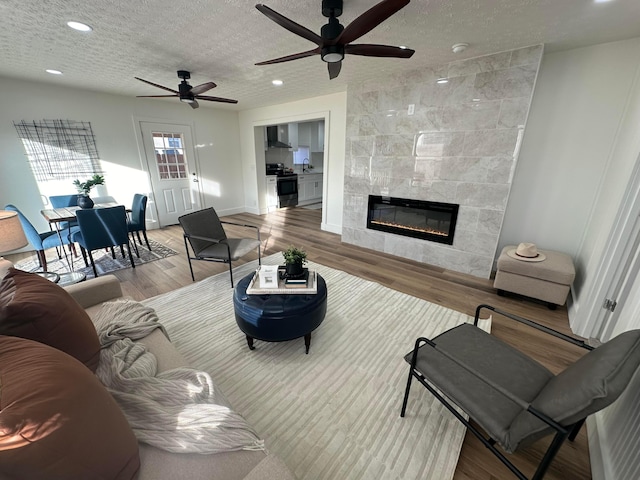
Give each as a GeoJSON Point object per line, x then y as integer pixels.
{"type": "Point", "coordinates": [433, 221]}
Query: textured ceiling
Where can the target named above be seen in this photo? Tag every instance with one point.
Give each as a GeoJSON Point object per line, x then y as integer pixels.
{"type": "Point", "coordinates": [221, 40]}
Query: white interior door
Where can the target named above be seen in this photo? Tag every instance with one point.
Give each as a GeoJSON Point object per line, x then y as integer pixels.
{"type": "Point", "coordinates": [624, 282]}
{"type": "Point", "coordinates": [172, 167]}
{"type": "Point", "coordinates": [609, 298]}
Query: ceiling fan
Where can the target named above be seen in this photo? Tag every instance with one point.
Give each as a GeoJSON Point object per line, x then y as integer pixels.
{"type": "Point", "coordinates": [186, 92]}
{"type": "Point", "coordinates": [335, 40]}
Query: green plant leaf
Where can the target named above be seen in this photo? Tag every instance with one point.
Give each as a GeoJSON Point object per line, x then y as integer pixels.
{"type": "Point", "coordinates": [294, 255]}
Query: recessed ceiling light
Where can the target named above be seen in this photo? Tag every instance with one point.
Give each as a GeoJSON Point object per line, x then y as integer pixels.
{"type": "Point", "coordinates": [404, 47]}
{"type": "Point", "coordinates": [277, 82]}
{"type": "Point", "coordinates": [81, 27]}
{"type": "Point", "coordinates": [53, 72]}
{"type": "Point", "coordinates": [602, 1]}
{"type": "Point", "coordinates": [459, 47]}
{"type": "Point", "coordinates": [442, 80]}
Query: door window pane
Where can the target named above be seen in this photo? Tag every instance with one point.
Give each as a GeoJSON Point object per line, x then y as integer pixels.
{"type": "Point", "coordinates": [170, 158]}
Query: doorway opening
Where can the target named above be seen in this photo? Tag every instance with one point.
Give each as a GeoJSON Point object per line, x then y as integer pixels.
{"type": "Point", "coordinates": [298, 144]}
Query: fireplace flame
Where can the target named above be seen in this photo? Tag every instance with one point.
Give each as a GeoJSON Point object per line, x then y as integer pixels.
{"type": "Point", "coordinates": [428, 230]}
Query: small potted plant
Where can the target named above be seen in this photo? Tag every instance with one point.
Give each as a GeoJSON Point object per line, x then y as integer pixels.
{"type": "Point", "coordinates": [84, 188]}
{"type": "Point", "coordinates": [294, 258]}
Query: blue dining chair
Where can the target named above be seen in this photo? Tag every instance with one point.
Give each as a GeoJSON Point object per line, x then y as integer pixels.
{"type": "Point", "coordinates": [137, 222]}
{"type": "Point", "coordinates": [102, 228]}
{"type": "Point", "coordinates": [45, 240]}
{"type": "Point", "coordinates": [61, 201]}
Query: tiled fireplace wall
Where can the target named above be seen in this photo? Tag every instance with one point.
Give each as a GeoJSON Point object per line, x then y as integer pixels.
{"type": "Point", "coordinates": [460, 145]}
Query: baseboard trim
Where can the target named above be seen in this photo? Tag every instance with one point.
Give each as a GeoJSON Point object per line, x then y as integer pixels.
{"type": "Point", "coordinates": [230, 211]}
{"type": "Point", "coordinates": [329, 227]}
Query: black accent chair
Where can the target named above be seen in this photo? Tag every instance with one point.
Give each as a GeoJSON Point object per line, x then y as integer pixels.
{"type": "Point", "coordinates": [513, 398]}
{"type": "Point", "coordinates": [203, 230]}
{"type": "Point", "coordinates": [102, 228]}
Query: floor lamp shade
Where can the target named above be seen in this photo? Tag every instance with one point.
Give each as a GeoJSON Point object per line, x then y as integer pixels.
{"type": "Point", "coordinates": [11, 233]}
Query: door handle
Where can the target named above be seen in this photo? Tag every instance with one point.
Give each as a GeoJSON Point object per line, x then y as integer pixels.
{"type": "Point", "coordinates": [195, 179]}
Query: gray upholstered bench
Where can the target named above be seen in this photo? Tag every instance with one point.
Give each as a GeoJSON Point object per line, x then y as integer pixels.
{"type": "Point", "coordinates": [548, 280]}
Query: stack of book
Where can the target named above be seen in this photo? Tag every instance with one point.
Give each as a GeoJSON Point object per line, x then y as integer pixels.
{"type": "Point", "coordinates": [297, 282]}
{"type": "Point", "coordinates": [304, 285]}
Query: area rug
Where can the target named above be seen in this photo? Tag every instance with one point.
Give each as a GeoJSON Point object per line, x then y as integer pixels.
{"type": "Point", "coordinates": [333, 414]}
{"type": "Point", "coordinates": [102, 258]}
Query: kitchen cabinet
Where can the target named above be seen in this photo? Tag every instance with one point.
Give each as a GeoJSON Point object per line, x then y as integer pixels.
{"type": "Point", "coordinates": [309, 188]}
{"type": "Point", "coordinates": [317, 190]}
{"type": "Point", "coordinates": [311, 134]}
{"type": "Point", "coordinates": [293, 135]}
{"type": "Point", "coordinates": [317, 137]}
{"type": "Point", "coordinates": [304, 134]}
{"type": "Point", "coordinates": [272, 193]}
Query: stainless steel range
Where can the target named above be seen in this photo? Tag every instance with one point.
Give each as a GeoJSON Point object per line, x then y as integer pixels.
{"type": "Point", "coordinates": [287, 185]}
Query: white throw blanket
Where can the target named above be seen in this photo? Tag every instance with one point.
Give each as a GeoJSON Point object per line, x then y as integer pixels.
{"type": "Point", "coordinates": [179, 410]}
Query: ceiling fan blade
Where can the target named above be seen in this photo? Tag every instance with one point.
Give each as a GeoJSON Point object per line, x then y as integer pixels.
{"type": "Point", "coordinates": [334, 69]}
{"type": "Point", "coordinates": [198, 89]}
{"type": "Point", "coordinates": [155, 96]}
{"type": "Point", "coordinates": [370, 50]}
{"type": "Point", "coordinates": [290, 25]}
{"type": "Point", "coordinates": [156, 85]}
{"type": "Point", "coordinates": [215, 99]}
{"type": "Point", "coordinates": [295, 56]}
{"type": "Point", "coordinates": [369, 20]}
{"type": "Point", "coordinates": [194, 104]}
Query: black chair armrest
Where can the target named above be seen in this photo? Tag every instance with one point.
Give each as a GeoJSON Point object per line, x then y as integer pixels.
{"type": "Point", "coordinates": [239, 224]}
{"type": "Point", "coordinates": [531, 323]}
{"type": "Point", "coordinates": [243, 225]}
{"type": "Point", "coordinates": [198, 237]}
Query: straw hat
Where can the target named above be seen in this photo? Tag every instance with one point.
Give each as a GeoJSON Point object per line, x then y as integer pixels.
{"type": "Point", "coordinates": [527, 252]}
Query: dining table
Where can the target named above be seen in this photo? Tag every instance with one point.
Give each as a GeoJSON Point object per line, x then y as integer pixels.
{"type": "Point", "coordinates": [56, 216]}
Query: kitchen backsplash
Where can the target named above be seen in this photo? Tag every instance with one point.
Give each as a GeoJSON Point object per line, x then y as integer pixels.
{"type": "Point", "coordinates": [283, 155]}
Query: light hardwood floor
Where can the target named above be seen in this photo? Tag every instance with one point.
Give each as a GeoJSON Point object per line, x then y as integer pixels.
{"type": "Point", "coordinates": [301, 227]}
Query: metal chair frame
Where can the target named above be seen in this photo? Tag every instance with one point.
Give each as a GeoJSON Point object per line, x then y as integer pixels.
{"type": "Point", "coordinates": [562, 432]}
{"type": "Point", "coordinates": [217, 241]}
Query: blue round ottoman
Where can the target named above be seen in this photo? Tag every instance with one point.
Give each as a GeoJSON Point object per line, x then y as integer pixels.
{"type": "Point", "coordinates": [277, 318]}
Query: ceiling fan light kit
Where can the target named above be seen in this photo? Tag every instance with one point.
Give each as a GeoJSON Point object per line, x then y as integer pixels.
{"type": "Point", "coordinates": [335, 40]}
{"type": "Point", "coordinates": [332, 53]}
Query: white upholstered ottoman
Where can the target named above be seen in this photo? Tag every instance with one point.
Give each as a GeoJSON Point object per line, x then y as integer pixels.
{"type": "Point", "coordinates": [548, 280]}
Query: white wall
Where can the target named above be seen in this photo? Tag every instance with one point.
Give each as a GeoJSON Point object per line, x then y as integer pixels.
{"type": "Point", "coordinates": [579, 152]}
{"type": "Point", "coordinates": [112, 118]}
{"type": "Point", "coordinates": [330, 107]}
{"type": "Point", "coordinates": [598, 243]}
{"type": "Point", "coordinates": [578, 104]}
